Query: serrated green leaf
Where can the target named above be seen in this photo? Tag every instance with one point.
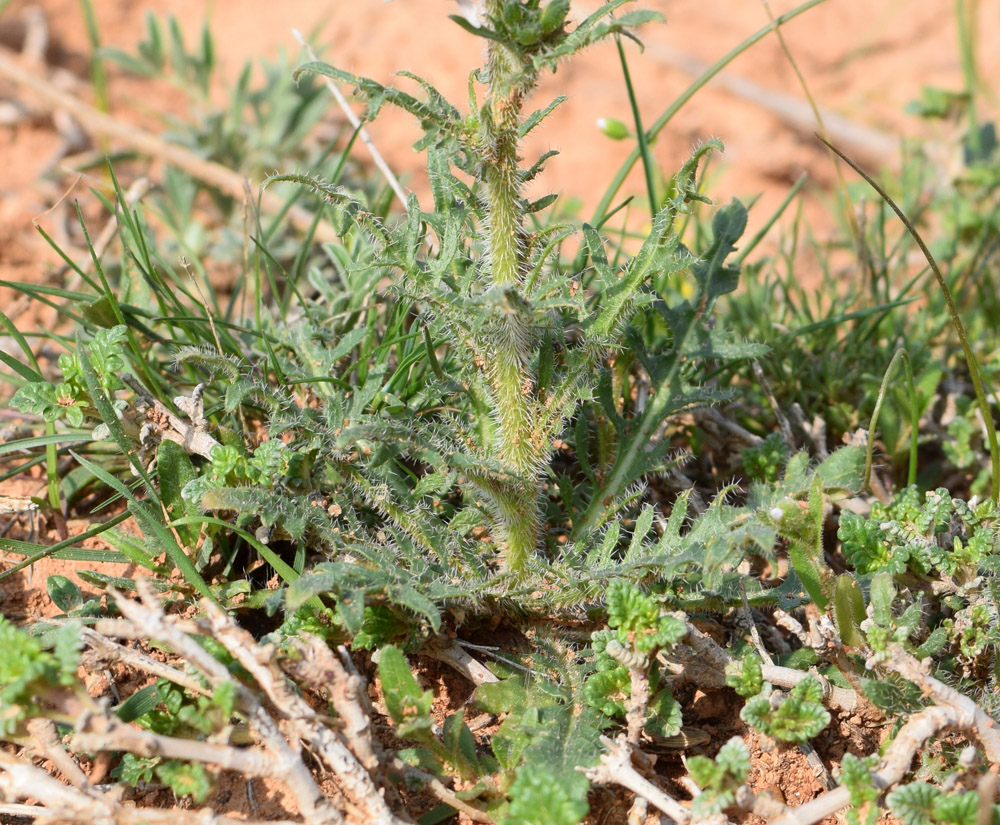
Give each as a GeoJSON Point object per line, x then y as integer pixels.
{"type": "Point", "coordinates": [913, 804]}
{"type": "Point", "coordinates": [502, 697]}
{"type": "Point", "coordinates": [186, 779]}
{"type": "Point", "coordinates": [351, 609]}
{"type": "Point", "coordinates": [459, 742]}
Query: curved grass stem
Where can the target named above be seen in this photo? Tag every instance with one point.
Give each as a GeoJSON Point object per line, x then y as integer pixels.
{"type": "Point", "coordinates": [956, 319]}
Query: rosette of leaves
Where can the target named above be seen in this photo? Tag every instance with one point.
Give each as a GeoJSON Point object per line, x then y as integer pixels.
{"type": "Point", "coordinates": [718, 778]}
{"type": "Point", "coordinates": [71, 398]}
{"type": "Point", "coordinates": [797, 716]}
{"type": "Point", "coordinates": [639, 629]}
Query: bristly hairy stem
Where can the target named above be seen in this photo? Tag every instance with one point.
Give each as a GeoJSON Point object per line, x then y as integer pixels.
{"type": "Point", "coordinates": [511, 375]}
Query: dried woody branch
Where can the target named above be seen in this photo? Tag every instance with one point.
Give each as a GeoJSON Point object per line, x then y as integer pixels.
{"type": "Point", "coordinates": [616, 768]}
{"type": "Point", "coordinates": [706, 667]}
{"type": "Point", "coordinates": [952, 711]}
{"type": "Point", "coordinates": [304, 724]}
{"type": "Point", "coordinates": [280, 729]}
{"type": "Point", "coordinates": [330, 675]}
{"type": "Point", "coordinates": [286, 763]}
{"type": "Point", "coordinates": [87, 805]}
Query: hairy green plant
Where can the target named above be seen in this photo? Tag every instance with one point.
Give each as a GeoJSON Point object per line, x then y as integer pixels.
{"type": "Point", "coordinates": [440, 421]}
{"type": "Point", "coordinates": [920, 803]}
{"type": "Point", "coordinates": [719, 778]}
{"type": "Point", "coordinates": [639, 630]}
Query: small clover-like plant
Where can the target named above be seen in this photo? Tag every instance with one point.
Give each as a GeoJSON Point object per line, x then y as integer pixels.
{"type": "Point", "coordinates": [639, 629]}
{"type": "Point", "coordinates": [920, 803]}
{"type": "Point", "coordinates": [796, 716]}
{"type": "Point", "coordinates": [745, 676]}
{"type": "Point", "coordinates": [927, 535]}
{"type": "Point", "coordinates": [70, 397]}
{"type": "Point", "coordinates": [719, 778]}
{"type": "Point", "coordinates": [856, 777]}
{"type": "Point", "coordinates": [639, 621]}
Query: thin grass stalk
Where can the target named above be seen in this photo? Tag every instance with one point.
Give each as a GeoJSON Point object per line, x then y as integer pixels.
{"type": "Point", "coordinates": [683, 98]}
{"type": "Point", "coordinates": [970, 359]}
{"type": "Point", "coordinates": [965, 16]}
{"type": "Point", "coordinates": [900, 355]}
{"type": "Point", "coordinates": [852, 221]}
{"type": "Point", "coordinates": [640, 132]}
{"type": "Point", "coordinates": [770, 222]}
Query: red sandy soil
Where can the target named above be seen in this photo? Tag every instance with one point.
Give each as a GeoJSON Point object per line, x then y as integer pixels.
{"type": "Point", "coordinates": [861, 60]}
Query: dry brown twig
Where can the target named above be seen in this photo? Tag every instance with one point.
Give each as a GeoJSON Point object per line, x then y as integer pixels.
{"type": "Point", "coordinates": [353, 119]}
{"type": "Point", "coordinates": [149, 421]}
{"type": "Point", "coordinates": [456, 657]}
{"type": "Point", "coordinates": [105, 650]}
{"type": "Point", "coordinates": [331, 675]}
{"type": "Point", "coordinates": [304, 723]}
{"type": "Point", "coordinates": [287, 764]}
{"type": "Point", "coordinates": [616, 768]}
{"type": "Point", "coordinates": [100, 125]}
{"type": "Point", "coordinates": [953, 711]}
{"type": "Point", "coordinates": [69, 805]}
{"type": "Point", "coordinates": [707, 668]}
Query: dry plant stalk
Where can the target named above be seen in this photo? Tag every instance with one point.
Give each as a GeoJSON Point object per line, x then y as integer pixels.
{"type": "Point", "coordinates": [284, 729]}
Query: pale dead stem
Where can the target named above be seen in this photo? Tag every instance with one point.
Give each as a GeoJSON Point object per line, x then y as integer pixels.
{"type": "Point", "coordinates": [707, 669]}
{"type": "Point", "coordinates": [301, 720]}
{"type": "Point", "coordinates": [70, 805]}
{"type": "Point", "coordinates": [952, 712]}
{"type": "Point", "coordinates": [286, 761]}
{"type": "Point", "coordinates": [100, 125]}
{"type": "Point", "coordinates": [616, 768]}
{"type": "Point", "coordinates": [354, 755]}
{"type": "Point", "coordinates": [338, 681]}
{"type": "Point", "coordinates": [104, 651]}
{"type": "Point", "coordinates": [350, 751]}
{"type": "Point", "coordinates": [345, 107]}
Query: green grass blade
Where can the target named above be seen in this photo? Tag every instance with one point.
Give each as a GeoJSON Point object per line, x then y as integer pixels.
{"type": "Point", "coordinates": [970, 359]}
{"type": "Point", "coordinates": [42, 441]}
{"type": "Point", "coordinates": [678, 104]}
{"type": "Point", "coordinates": [643, 147]}
{"type": "Point", "coordinates": [65, 544]}
{"type": "Point", "coordinates": [900, 355]}
{"type": "Point", "coordinates": [151, 523]}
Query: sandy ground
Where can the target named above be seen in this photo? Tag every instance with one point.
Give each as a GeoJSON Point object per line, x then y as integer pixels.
{"type": "Point", "coordinates": [862, 61]}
